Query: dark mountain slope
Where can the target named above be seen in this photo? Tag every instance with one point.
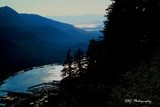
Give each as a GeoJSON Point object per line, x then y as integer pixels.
{"type": "Point", "coordinates": [30, 40]}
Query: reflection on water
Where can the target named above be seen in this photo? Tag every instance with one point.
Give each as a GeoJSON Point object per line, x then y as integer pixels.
{"type": "Point", "coordinates": [22, 80]}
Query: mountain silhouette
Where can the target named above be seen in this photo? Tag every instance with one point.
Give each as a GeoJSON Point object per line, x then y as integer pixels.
{"type": "Point", "coordinates": [28, 40]}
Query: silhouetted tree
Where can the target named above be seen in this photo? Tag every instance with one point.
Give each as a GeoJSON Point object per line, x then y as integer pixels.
{"type": "Point", "coordinates": [75, 64]}
{"type": "Point", "coordinates": [78, 57]}
{"type": "Point", "coordinates": [67, 71]}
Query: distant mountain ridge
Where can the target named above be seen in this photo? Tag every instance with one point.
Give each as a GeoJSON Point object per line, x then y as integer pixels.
{"type": "Point", "coordinates": [75, 19]}
{"type": "Point", "coordinates": [30, 40]}
{"type": "Point", "coordinates": [10, 16]}
{"type": "Point", "coordinates": [87, 22]}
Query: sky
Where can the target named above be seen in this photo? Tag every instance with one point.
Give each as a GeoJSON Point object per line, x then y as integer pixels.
{"type": "Point", "coordinates": [58, 7]}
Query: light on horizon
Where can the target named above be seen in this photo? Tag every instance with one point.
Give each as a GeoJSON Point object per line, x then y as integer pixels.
{"type": "Point", "coordinates": [57, 7]}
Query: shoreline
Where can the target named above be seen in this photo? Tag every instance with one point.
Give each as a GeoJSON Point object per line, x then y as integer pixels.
{"type": "Point", "coordinates": [15, 72]}
{"type": "Point", "coordinates": [41, 74]}
{"type": "Point", "coordinates": [40, 96]}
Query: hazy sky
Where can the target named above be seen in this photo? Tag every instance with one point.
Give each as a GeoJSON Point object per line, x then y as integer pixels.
{"type": "Point", "coordinates": [57, 7]}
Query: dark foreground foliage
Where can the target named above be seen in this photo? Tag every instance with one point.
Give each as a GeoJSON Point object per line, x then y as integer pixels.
{"type": "Point", "coordinates": [122, 67]}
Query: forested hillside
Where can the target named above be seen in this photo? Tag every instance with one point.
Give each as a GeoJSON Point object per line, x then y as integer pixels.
{"type": "Point", "coordinates": [123, 66]}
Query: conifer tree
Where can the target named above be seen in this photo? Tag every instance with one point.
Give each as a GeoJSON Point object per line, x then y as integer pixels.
{"type": "Point", "coordinates": [67, 71]}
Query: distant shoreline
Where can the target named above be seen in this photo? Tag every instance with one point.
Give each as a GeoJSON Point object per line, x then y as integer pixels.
{"type": "Point", "coordinates": [10, 74]}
